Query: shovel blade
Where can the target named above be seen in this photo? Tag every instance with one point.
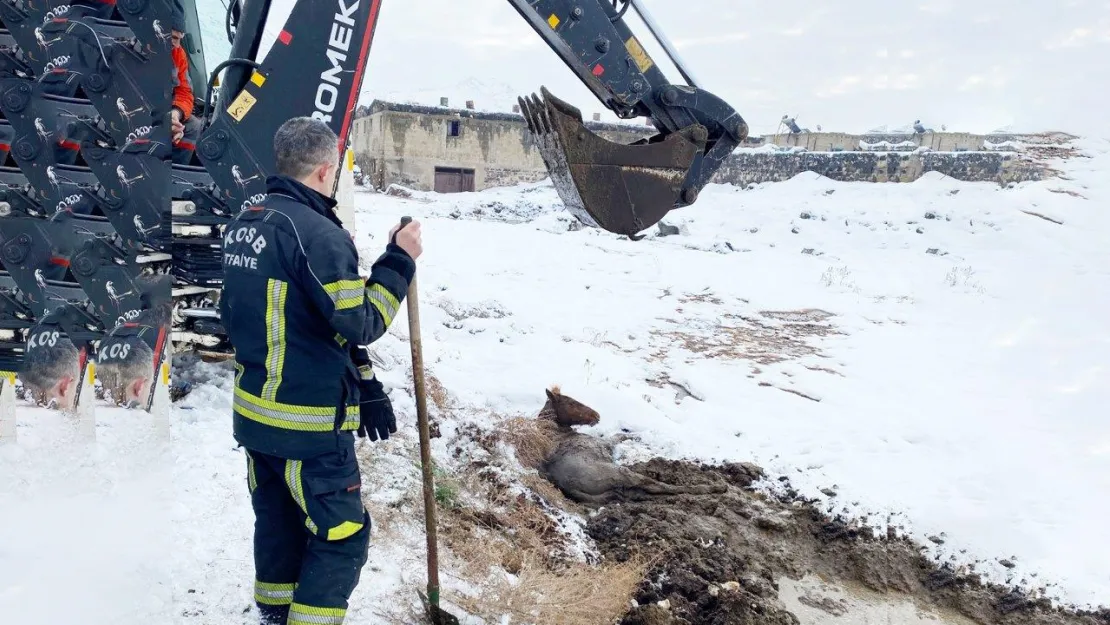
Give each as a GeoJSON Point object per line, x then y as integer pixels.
{"type": "Point", "coordinates": [436, 614]}
{"type": "Point", "coordinates": [620, 188]}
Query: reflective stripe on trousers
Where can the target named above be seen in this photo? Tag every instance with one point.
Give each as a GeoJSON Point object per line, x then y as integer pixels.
{"type": "Point", "coordinates": [300, 614]}
{"type": "Point", "coordinates": [296, 488]}
{"type": "Point", "coordinates": [269, 593]}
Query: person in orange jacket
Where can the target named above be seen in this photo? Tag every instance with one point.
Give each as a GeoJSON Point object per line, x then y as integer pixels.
{"type": "Point", "coordinates": [185, 128]}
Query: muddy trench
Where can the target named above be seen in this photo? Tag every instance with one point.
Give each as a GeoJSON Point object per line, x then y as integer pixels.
{"type": "Point", "coordinates": [724, 559]}
{"type": "Point", "coordinates": [722, 551]}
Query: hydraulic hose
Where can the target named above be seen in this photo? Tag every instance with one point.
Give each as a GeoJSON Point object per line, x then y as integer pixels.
{"type": "Point", "coordinates": [212, 82]}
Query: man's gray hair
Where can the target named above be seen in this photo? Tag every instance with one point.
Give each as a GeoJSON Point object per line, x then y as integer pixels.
{"type": "Point", "coordinates": [46, 365]}
{"type": "Point", "coordinates": [115, 375]}
{"type": "Point", "coordinates": [302, 144]}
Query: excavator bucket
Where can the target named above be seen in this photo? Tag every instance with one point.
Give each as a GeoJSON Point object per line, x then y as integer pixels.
{"type": "Point", "coordinates": [621, 188]}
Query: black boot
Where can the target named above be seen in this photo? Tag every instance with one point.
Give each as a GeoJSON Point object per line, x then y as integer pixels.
{"type": "Point", "coordinates": [273, 614]}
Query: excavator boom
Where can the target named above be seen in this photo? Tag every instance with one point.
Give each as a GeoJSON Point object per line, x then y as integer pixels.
{"type": "Point", "coordinates": [317, 65]}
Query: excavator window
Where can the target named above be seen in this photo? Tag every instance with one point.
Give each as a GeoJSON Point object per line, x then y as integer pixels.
{"type": "Point", "coordinates": [194, 46]}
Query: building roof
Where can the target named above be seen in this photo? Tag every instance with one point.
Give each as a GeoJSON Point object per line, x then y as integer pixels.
{"type": "Point", "coordinates": [379, 106]}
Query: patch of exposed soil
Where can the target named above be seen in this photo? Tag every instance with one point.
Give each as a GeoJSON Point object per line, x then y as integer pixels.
{"type": "Point", "coordinates": [776, 337]}
{"type": "Point", "coordinates": [720, 557]}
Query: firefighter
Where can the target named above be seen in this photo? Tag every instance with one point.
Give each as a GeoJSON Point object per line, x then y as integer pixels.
{"type": "Point", "coordinates": [294, 307]}
{"type": "Point", "coordinates": [185, 127]}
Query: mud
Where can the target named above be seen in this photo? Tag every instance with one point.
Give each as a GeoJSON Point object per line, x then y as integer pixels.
{"type": "Point", "coordinates": [726, 558]}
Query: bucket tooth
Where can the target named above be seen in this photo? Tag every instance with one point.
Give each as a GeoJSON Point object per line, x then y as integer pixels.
{"type": "Point", "coordinates": [619, 188]}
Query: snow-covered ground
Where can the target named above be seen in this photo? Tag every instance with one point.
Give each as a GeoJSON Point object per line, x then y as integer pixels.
{"type": "Point", "coordinates": [87, 525]}
{"type": "Point", "coordinates": [963, 392]}
{"type": "Point", "coordinates": [955, 384]}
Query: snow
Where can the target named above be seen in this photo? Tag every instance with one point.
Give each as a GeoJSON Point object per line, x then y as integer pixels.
{"type": "Point", "coordinates": [1010, 146]}
{"type": "Point", "coordinates": [87, 521]}
{"type": "Point", "coordinates": [887, 145]}
{"type": "Point", "coordinates": [960, 393]}
{"type": "Point", "coordinates": [971, 367]}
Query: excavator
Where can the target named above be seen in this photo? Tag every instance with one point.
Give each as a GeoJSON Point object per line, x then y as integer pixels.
{"type": "Point", "coordinates": [94, 194]}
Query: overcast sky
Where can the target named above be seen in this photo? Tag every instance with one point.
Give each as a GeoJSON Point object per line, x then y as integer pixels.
{"type": "Point", "coordinates": [851, 65]}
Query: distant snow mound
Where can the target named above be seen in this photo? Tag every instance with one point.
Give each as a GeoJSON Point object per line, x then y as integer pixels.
{"type": "Point", "coordinates": [522, 203]}
{"type": "Point", "coordinates": [886, 129]}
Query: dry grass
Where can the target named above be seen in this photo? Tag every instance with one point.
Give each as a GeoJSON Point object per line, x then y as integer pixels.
{"type": "Point", "coordinates": [547, 491]}
{"type": "Point", "coordinates": [533, 439]}
{"type": "Point", "coordinates": [510, 548]}
{"type": "Point", "coordinates": [542, 586]}
{"type": "Point", "coordinates": [1044, 152]}
{"type": "Point", "coordinates": [503, 536]}
{"type": "Point", "coordinates": [1043, 216]}
{"type": "Point", "coordinates": [700, 298]}
{"type": "Point", "coordinates": [437, 393]}
{"type": "Point", "coordinates": [824, 369]}
{"type": "Point", "coordinates": [577, 594]}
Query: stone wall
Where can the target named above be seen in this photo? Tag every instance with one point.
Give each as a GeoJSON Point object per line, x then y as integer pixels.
{"type": "Point", "coordinates": [746, 167]}
{"type": "Point", "coordinates": [403, 144]}
{"type": "Point", "coordinates": [937, 141]}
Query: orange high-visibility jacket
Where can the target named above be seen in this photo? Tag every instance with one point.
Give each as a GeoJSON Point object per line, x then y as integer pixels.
{"type": "Point", "coordinates": [182, 86]}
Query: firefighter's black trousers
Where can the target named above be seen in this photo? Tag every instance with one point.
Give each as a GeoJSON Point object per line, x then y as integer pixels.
{"type": "Point", "coordinates": [183, 151]}
{"type": "Point", "coordinates": [311, 535]}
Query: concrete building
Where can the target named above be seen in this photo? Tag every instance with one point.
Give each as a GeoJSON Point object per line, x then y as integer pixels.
{"type": "Point", "coordinates": [449, 149]}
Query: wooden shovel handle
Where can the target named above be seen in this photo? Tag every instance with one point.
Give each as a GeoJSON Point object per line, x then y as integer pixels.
{"type": "Point", "coordinates": [413, 303]}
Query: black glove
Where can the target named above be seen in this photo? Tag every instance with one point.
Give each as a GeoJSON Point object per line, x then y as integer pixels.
{"type": "Point", "coordinates": [375, 411]}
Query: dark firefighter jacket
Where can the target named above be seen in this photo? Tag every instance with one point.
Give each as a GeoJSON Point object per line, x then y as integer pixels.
{"type": "Point", "coordinates": [293, 304]}
{"type": "Point", "coordinates": [63, 322]}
